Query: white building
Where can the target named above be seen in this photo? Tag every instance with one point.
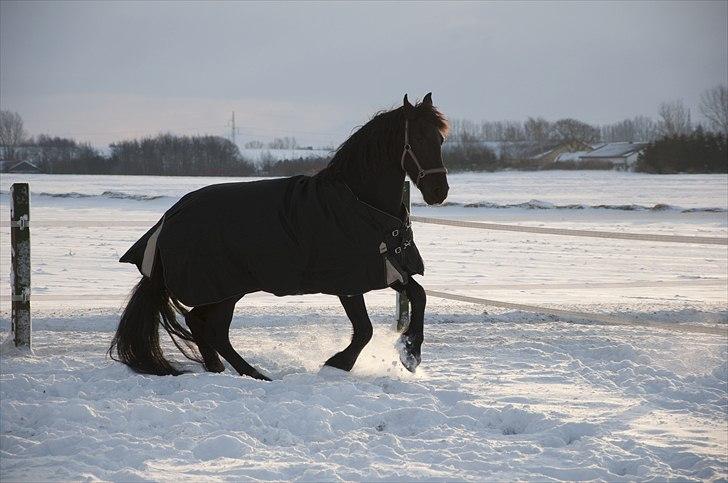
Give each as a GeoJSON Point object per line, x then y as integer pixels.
{"type": "Point", "coordinates": [622, 155]}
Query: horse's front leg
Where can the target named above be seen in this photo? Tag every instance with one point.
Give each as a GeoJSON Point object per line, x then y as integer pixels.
{"type": "Point", "coordinates": [410, 343]}
{"type": "Point", "coordinates": [357, 312]}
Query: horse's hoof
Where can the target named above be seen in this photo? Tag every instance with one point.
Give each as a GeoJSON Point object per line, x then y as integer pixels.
{"type": "Point", "coordinates": [409, 353]}
{"type": "Point", "coordinates": [340, 362]}
{"type": "Point", "coordinates": [214, 366]}
{"type": "Point", "coordinates": [409, 361]}
{"type": "Point", "coordinates": [259, 376]}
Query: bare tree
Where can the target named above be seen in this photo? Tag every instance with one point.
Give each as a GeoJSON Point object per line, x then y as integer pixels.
{"type": "Point", "coordinates": [537, 130]}
{"type": "Point", "coordinates": [283, 143]}
{"type": "Point", "coordinates": [575, 130]}
{"type": "Point", "coordinates": [637, 129]}
{"type": "Point", "coordinates": [12, 133]}
{"type": "Point", "coordinates": [461, 129]}
{"type": "Point", "coordinates": [492, 131]}
{"type": "Point", "coordinates": [619, 131]}
{"type": "Point", "coordinates": [513, 131]}
{"type": "Point", "coordinates": [714, 106]}
{"type": "Point", "coordinates": [674, 119]}
{"type": "Point", "coordinates": [645, 128]}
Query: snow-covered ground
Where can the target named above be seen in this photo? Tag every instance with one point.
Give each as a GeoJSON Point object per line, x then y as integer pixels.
{"type": "Point", "coordinates": [500, 395]}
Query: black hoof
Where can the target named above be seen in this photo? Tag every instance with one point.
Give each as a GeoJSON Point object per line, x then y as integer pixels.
{"type": "Point", "coordinates": [214, 366]}
{"type": "Point", "coordinates": [340, 361]}
{"type": "Point", "coordinates": [409, 352]}
{"type": "Point", "coordinates": [259, 376]}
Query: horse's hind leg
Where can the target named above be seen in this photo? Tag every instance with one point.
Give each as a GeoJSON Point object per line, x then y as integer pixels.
{"type": "Point", "coordinates": [209, 355]}
{"type": "Point", "coordinates": [216, 329]}
{"type": "Point", "coordinates": [357, 312]}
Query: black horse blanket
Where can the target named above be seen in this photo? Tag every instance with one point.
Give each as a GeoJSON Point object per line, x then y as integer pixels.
{"type": "Point", "coordinates": [284, 236]}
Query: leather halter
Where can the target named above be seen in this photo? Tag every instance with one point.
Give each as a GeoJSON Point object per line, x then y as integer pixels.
{"type": "Point", "coordinates": [421, 173]}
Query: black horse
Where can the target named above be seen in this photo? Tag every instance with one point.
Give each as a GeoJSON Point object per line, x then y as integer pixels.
{"type": "Point", "coordinates": [343, 232]}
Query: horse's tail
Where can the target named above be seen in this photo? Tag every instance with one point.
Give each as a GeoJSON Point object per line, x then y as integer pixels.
{"type": "Point", "coordinates": [136, 342]}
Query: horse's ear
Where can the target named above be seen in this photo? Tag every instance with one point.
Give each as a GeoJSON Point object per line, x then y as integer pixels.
{"type": "Point", "coordinates": [427, 101]}
{"type": "Point", "coordinates": [406, 104]}
{"type": "Point", "coordinates": [407, 108]}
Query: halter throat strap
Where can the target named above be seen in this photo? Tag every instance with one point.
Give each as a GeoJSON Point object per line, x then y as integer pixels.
{"type": "Point", "coordinates": [421, 173]}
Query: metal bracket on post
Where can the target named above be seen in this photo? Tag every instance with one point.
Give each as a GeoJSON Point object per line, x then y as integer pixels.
{"type": "Point", "coordinates": [22, 297]}
{"type": "Point", "coordinates": [20, 262]}
{"type": "Point", "coordinates": [402, 309]}
{"type": "Point", "coordinates": [22, 224]}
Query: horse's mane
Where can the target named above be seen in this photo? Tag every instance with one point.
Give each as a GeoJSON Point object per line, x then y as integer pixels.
{"type": "Point", "coordinates": [379, 140]}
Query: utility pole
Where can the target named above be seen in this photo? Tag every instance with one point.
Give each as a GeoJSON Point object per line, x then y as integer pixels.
{"type": "Point", "coordinates": [233, 129]}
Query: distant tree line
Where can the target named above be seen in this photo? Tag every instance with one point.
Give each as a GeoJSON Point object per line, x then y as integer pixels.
{"type": "Point", "coordinates": [537, 131]}
{"type": "Point", "coordinates": [55, 155]}
{"type": "Point", "coordinates": [168, 154]}
{"type": "Point", "coordinates": [276, 143]}
{"type": "Point", "coordinates": [676, 144]}
{"type": "Point", "coordinates": [674, 120]}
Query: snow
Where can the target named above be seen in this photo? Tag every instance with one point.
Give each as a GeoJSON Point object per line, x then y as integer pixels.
{"type": "Point", "coordinates": [497, 400]}
{"type": "Point", "coordinates": [500, 395]}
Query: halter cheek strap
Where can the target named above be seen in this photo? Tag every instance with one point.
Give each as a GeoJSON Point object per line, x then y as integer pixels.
{"type": "Point", "coordinates": [421, 173]}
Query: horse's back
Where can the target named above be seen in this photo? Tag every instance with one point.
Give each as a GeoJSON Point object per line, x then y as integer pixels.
{"type": "Point", "coordinates": [283, 236]}
{"type": "Point", "coordinates": [209, 240]}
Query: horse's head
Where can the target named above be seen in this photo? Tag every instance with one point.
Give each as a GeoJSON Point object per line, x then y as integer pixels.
{"type": "Point", "coordinates": [424, 132]}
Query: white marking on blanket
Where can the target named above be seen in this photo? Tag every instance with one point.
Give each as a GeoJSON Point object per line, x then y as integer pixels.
{"type": "Point", "coordinates": [150, 251]}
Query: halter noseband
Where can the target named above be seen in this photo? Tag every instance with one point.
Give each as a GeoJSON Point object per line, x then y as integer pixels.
{"type": "Point", "coordinates": [421, 173]}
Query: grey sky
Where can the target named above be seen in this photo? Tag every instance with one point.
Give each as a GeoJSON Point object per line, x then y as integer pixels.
{"type": "Point", "coordinates": [105, 71]}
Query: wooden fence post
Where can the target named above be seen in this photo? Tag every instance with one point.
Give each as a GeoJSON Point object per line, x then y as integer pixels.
{"type": "Point", "coordinates": [402, 302]}
{"type": "Point", "coordinates": [20, 261]}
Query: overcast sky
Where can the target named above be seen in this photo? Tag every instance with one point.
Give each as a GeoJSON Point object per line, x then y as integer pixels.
{"type": "Point", "coordinates": [102, 71]}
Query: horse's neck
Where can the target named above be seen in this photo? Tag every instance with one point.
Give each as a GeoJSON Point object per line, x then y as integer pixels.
{"type": "Point", "coordinates": [382, 189]}
{"type": "Point", "coordinates": [383, 192]}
